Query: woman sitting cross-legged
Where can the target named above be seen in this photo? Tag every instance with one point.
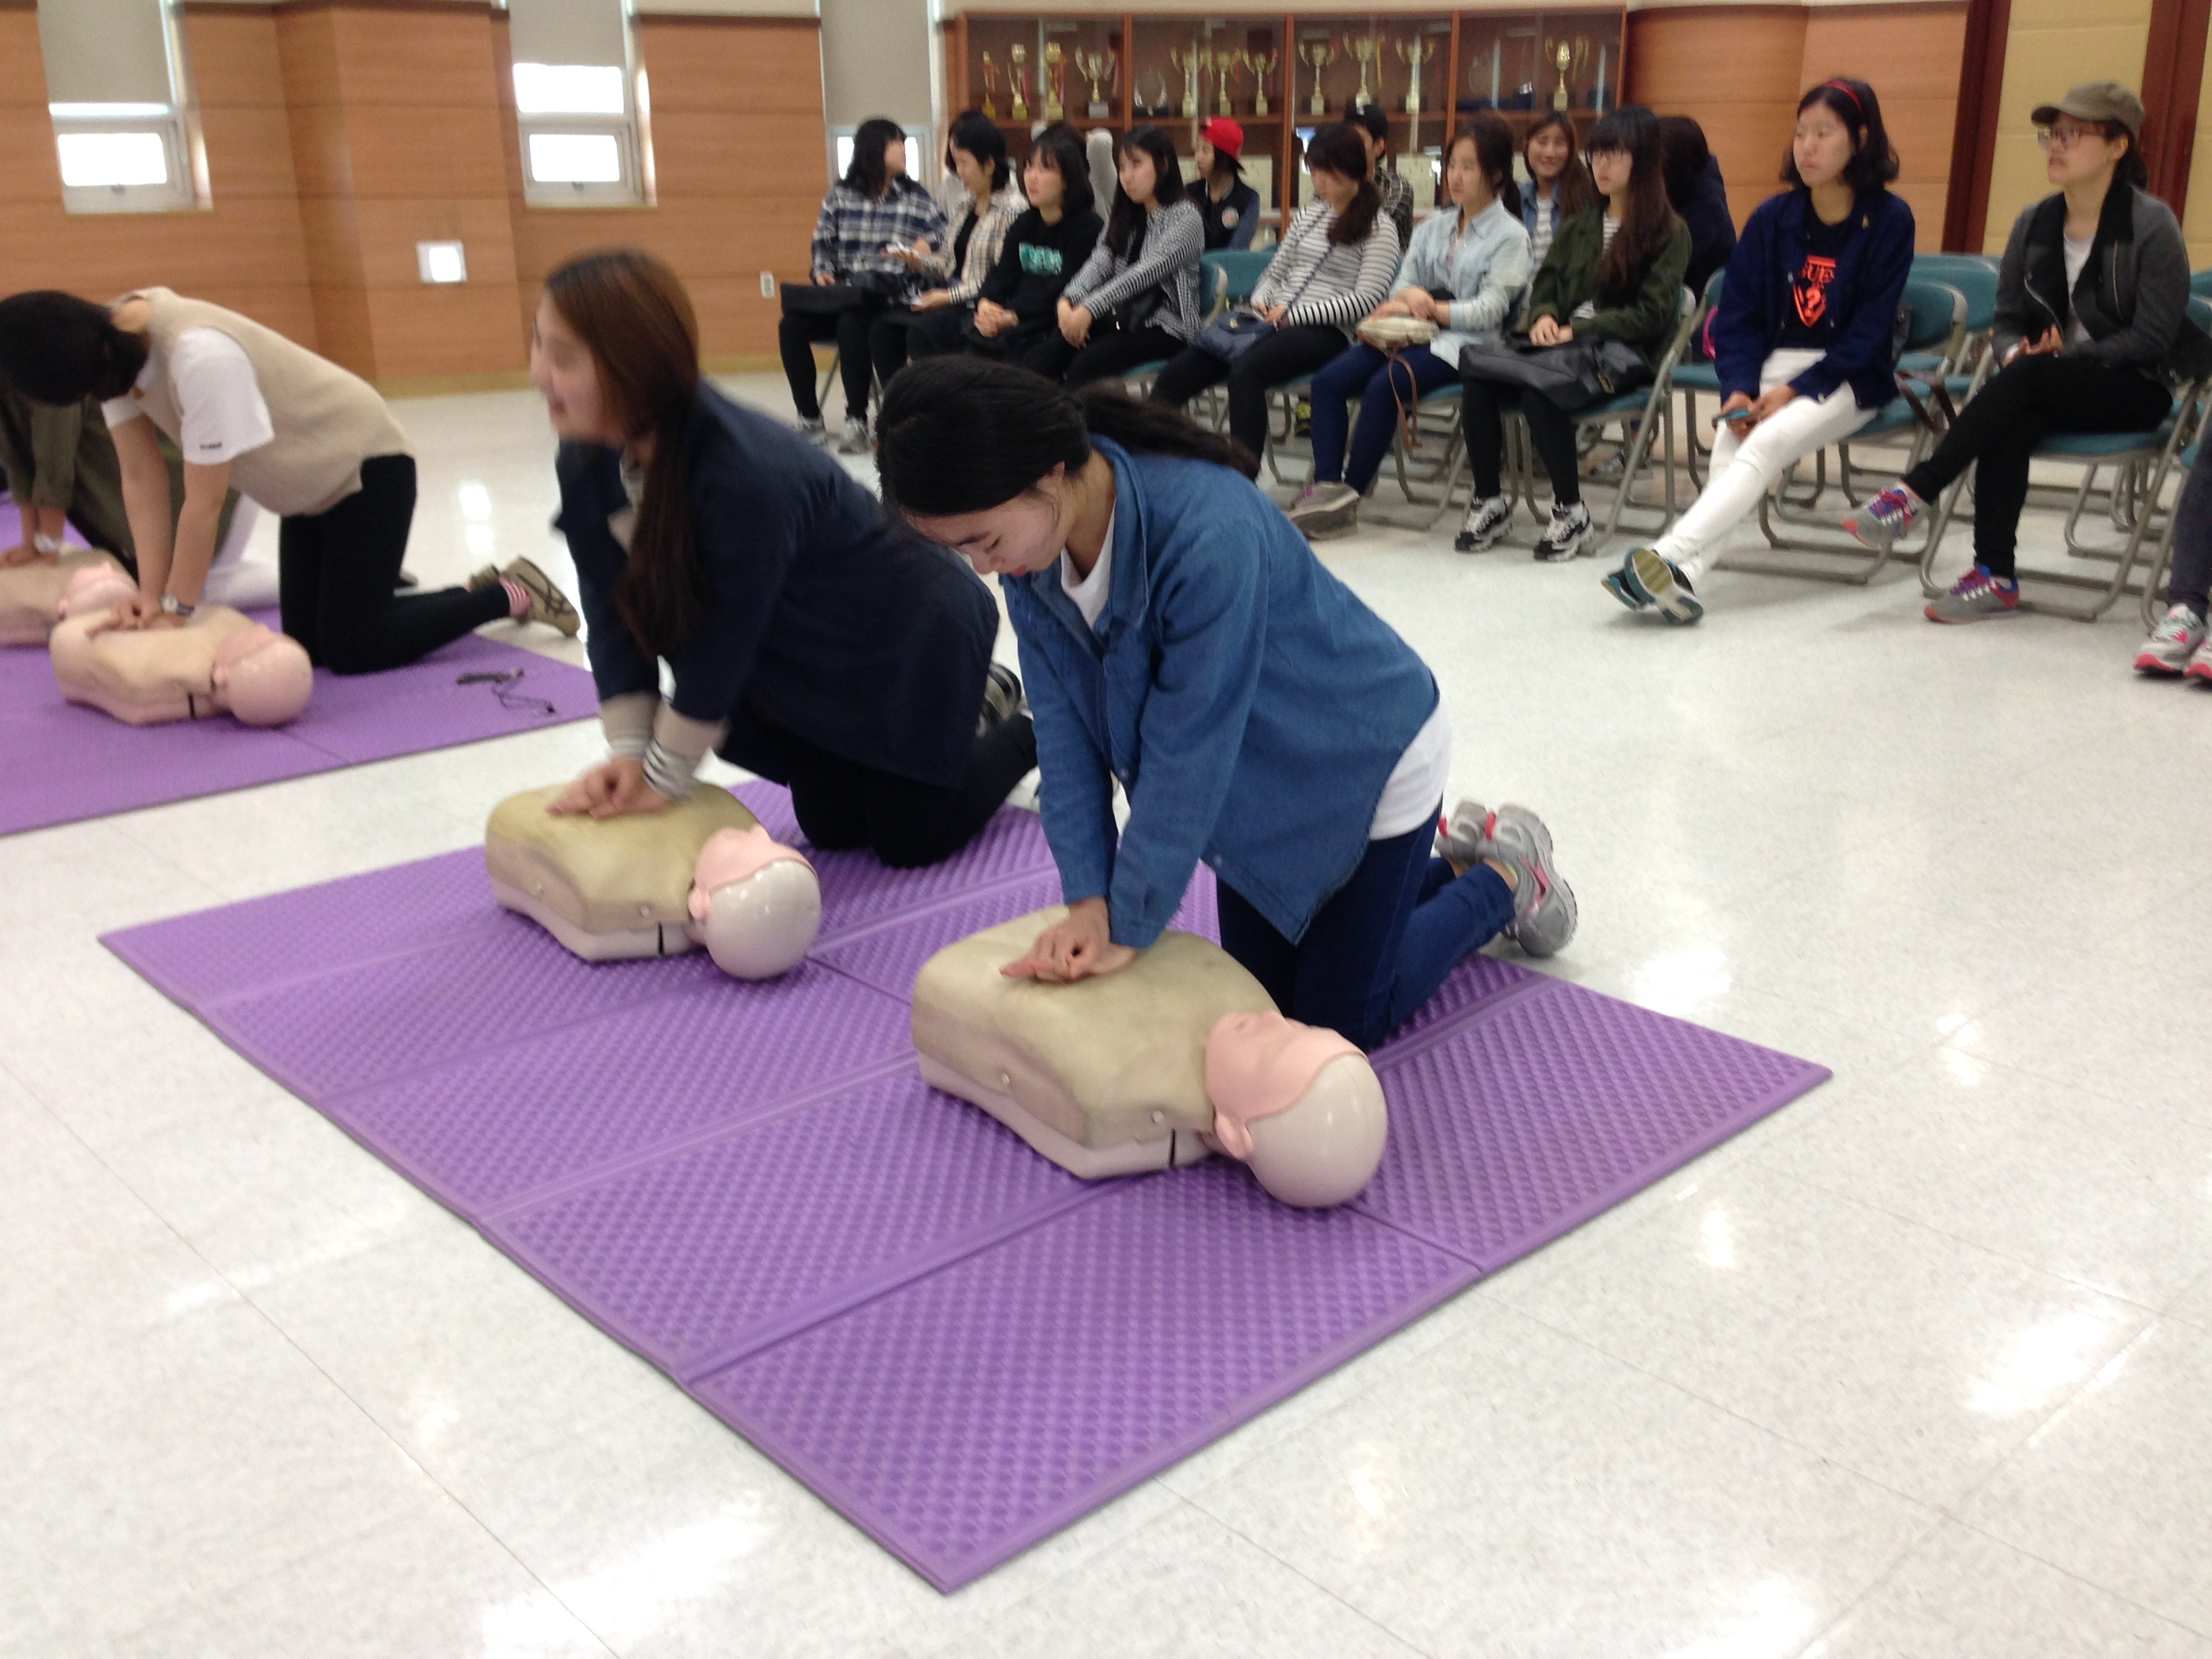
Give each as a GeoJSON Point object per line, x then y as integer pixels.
{"type": "Point", "coordinates": [1802, 340]}
{"type": "Point", "coordinates": [1614, 274]}
{"type": "Point", "coordinates": [1333, 269]}
{"type": "Point", "coordinates": [1465, 273]}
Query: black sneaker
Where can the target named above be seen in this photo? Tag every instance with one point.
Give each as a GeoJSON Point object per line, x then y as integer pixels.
{"type": "Point", "coordinates": [1002, 698]}
{"type": "Point", "coordinates": [1566, 536]}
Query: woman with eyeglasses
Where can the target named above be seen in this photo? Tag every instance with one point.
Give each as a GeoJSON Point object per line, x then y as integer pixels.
{"type": "Point", "coordinates": [2091, 330]}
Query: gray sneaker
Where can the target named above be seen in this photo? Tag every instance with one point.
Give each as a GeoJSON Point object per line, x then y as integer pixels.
{"type": "Point", "coordinates": [816, 431]}
{"type": "Point", "coordinates": [1544, 912]}
{"type": "Point", "coordinates": [1978, 596]}
{"type": "Point", "coordinates": [1327, 509]}
{"type": "Point", "coordinates": [1464, 838]}
{"type": "Point", "coordinates": [2170, 647]}
{"type": "Point", "coordinates": [1485, 523]}
{"type": "Point", "coordinates": [855, 441]}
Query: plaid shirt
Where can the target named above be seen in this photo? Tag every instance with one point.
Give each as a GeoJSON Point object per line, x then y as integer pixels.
{"type": "Point", "coordinates": [1397, 202]}
{"type": "Point", "coordinates": [853, 229]}
{"type": "Point", "coordinates": [984, 242]}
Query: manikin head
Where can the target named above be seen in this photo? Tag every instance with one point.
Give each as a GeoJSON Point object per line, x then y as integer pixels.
{"type": "Point", "coordinates": [756, 904]}
{"type": "Point", "coordinates": [263, 676]}
{"type": "Point", "coordinates": [1298, 1103]}
{"type": "Point", "coordinates": [95, 587]}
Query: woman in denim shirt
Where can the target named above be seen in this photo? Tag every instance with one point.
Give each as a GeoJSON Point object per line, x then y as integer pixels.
{"type": "Point", "coordinates": [1177, 635]}
{"type": "Point", "coordinates": [1479, 257]}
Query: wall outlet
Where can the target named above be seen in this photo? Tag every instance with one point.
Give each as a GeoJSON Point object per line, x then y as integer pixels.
{"type": "Point", "coordinates": [767, 285]}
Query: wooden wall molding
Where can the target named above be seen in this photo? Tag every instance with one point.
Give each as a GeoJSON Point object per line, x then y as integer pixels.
{"type": "Point", "coordinates": [1974, 134]}
{"type": "Point", "coordinates": [2173, 77]}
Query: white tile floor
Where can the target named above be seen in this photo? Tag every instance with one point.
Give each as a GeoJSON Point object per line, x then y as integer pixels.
{"type": "Point", "coordinates": [1919, 1366]}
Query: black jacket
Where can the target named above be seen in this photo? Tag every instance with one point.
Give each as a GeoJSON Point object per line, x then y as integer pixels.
{"type": "Point", "coordinates": [1704, 208]}
{"type": "Point", "coordinates": [2133, 296]}
{"type": "Point", "coordinates": [822, 619]}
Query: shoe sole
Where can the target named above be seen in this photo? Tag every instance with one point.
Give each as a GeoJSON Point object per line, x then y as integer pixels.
{"type": "Point", "coordinates": [1560, 893]}
{"type": "Point", "coordinates": [1668, 595]}
{"type": "Point", "coordinates": [1320, 523]}
{"type": "Point", "coordinates": [1581, 547]}
{"type": "Point", "coordinates": [1621, 584]}
{"type": "Point", "coordinates": [1971, 616]}
{"type": "Point", "coordinates": [1468, 542]}
{"type": "Point", "coordinates": [1872, 543]}
{"type": "Point", "coordinates": [2146, 664]}
{"type": "Point", "coordinates": [2201, 672]}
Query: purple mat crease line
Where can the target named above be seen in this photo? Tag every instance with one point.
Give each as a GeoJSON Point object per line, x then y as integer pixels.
{"type": "Point", "coordinates": [961, 1346]}
{"type": "Point", "coordinates": [63, 764]}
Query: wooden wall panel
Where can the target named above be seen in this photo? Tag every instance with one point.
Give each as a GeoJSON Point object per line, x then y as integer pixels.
{"type": "Point", "coordinates": [771, 66]}
{"type": "Point", "coordinates": [1912, 56]}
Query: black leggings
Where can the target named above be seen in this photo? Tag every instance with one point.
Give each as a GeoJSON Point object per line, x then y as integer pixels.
{"type": "Point", "coordinates": [1111, 352]}
{"type": "Point", "coordinates": [1279, 357]}
{"type": "Point", "coordinates": [2001, 425]}
{"type": "Point", "coordinates": [842, 805]}
{"type": "Point", "coordinates": [795, 336]}
{"type": "Point", "coordinates": [337, 571]}
{"type": "Point", "coordinates": [899, 333]}
{"type": "Point", "coordinates": [1551, 429]}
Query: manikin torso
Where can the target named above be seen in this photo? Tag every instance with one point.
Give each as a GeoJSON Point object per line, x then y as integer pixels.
{"type": "Point", "coordinates": [221, 662]}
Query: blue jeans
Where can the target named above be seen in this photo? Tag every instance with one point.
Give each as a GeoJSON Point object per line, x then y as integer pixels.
{"type": "Point", "coordinates": [1366, 373]}
{"type": "Point", "coordinates": [1378, 948]}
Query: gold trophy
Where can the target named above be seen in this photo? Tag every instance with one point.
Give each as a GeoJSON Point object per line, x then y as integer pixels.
{"type": "Point", "coordinates": [1415, 53]}
{"type": "Point", "coordinates": [1095, 67]}
{"type": "Point", "coordinates": [1320, 55]}
{"type": "Point", "coordinates": [1366, 51]}
{"type": "Point", "coordinates": [1225, 64]}
{"type": "Point", "coordinates": [1017, 79]}
{"type": "Point", "coordinates": [990, 88]}
{"type": "Point", "coordinates": [1192, 64]}
{"type": "Point", "coordinates": [1567, 58]}
{"type": "Point", "coordinates": [1259, 62]}
{"type": "Point", "coordinates": [1052, 81]}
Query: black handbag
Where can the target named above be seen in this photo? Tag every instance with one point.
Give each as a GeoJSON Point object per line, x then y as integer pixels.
{"type": "Point", "coordinates": [1569, 377]}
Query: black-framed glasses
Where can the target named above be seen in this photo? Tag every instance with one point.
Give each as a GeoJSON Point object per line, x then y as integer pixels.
{"type": "Point", "coordinates": [2065, 137]}
{"type": "Point", "coordinates": [502, 683]}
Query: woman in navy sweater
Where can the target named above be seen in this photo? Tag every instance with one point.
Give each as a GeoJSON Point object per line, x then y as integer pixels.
{"type": "Point", "coordinates": [1803, 336]}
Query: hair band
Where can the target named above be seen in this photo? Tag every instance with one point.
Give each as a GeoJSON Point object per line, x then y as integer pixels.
{"type": "Point", "coordinates": [1845, 87]}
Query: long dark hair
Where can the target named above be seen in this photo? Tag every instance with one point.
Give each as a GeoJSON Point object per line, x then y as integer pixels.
{"type": "Point", "coordinates": [1493, 139]}
{"type": "Point", "coordinates": [979, 135]}
{"type": "Point", "coordinates": [1873, 160]}
{"type": "Point", "coordinates": [1126, 224]}
{"type": "Point", "coordinates": [1338, 149]}
{"type": "Point", "coordinates": [964, 434]}
{"type": "Point", "coordinates": [56, 349]}
{"type": "Point", "coordinates": [867, 173]}
{"type": "Point", "coordinates": [1576, 192]}
{"type": "Point", "coordinates": [1058, 145]}
{"type": "Point", "coordinates": [1633, 130]}
{"type": "Point", "coordinates": [632, 315]}
{"type": "Point", "coordinates": [1683, 153]}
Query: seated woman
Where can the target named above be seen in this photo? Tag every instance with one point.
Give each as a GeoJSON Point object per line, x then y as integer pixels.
{"type": "Point", "coordinates": [1135, 301]}
{"type": "Point", "coordinates": [1018, 308]}
{"type": "Point", "coordinates": [1611, 274]}
{"type": "Point", "coordinates": [1696, 191]}
{"type": "Point", "coordinates": [1465, 273]}
{"type": "Point", "coordinates": [2091, 330]}
{"type": "Point", "coordinates": [295, 432]}
{"type": "Point", "coordinates": [1230, 207]}
{"type": "Point", "coordinates": [1333, 267]}
{"type": "Point", "coordinates": [1802, 340]}
{"type": "Point", "coordinates": [810, 641]}
{"type": "Point", "coordinates": [2179, 644]}
{"type": "Point", "coordinates": [1179, 636]}
{"type": "Point", "coordinates": [874, 224]}
{"type": "Point", "coordinates": [1559, 184]}
{"type": "Point", "coordinates": [938, 317]}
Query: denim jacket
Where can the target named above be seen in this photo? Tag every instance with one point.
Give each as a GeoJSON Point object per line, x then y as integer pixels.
{"type": "Point", "coordinates": [1485, 273]}
{"type": "Point", "coordinates": [1251, 705]}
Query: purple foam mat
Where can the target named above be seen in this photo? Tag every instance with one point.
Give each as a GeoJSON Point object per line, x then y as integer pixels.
{"type": "Point", "coordinates": [63, 762]}
{"type": "Point", "coordinates": [961, 1346]}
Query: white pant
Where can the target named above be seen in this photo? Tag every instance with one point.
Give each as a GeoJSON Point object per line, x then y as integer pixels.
{"type": "Point", "coordinates": [1743, 468]}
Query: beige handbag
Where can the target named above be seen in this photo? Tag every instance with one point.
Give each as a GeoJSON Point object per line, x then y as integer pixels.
{"type": "Point", "coordinates": [1393, 337]}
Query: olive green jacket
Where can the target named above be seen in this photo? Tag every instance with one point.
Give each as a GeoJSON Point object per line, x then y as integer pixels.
{"type": "Point", "coordinates": [63, 458]}
{"type": "Point", "coordinates": [1647, 320]}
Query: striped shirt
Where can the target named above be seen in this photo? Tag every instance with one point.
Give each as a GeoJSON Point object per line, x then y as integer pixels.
{"type": "Point", "coordinates": [1334, 283]}
{"type": "Point", "coordinates": [1588, 307]}
{"type": "Point", "coordinates": [853, 229]}
{"type": "Point", "coordinates": [1166, 259]}
{"type": "Point", "coordinates": [984, 242]}
{"type": "Point", "coordinates": [1545, 215]}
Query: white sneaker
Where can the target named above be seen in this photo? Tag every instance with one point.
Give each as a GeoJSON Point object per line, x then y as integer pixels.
{"type": "Point", "coordinates": [816, 431]}
{"type": "Point", "coordinates": [1485, 523]}
{"type": "Point", "coordinates": [1327, 509]}
{"type": "Point", "coordinates": [1567, 534]}
{"type": "Point", "coordinates": [855, 440]}
{"type": "Point", "coordinates": [2173, 642]}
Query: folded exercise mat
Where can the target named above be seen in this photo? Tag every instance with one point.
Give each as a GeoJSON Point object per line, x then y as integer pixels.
{"type": "Point", "coordinates": [957, 1344]}
{"type": "Point", "coordinates": [60, 762]}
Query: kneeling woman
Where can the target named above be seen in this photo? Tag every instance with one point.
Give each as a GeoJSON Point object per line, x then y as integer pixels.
{"type": "Point", "coordinates": [810, 640]}
{"type": "Point", "coordinates": [1179, 635]}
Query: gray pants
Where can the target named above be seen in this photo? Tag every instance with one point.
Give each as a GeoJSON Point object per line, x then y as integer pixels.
{"type": "Point", "coordinates": [2191, 575]}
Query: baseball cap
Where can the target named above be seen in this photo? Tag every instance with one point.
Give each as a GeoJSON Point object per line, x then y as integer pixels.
{"type": "Point", "coordinates": [1226, 135]}
{"type": "Point", "coordinates": [2095, 101]}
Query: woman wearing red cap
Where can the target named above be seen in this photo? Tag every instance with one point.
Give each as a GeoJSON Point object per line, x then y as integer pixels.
{"type": "Point", "coordinates": [1229, 206]}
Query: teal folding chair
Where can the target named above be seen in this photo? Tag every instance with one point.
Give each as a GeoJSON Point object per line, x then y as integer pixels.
{"type": "Point", "coordinates": [2200, 283]}
{"type": "Point", "coordinates": [1229, 275]}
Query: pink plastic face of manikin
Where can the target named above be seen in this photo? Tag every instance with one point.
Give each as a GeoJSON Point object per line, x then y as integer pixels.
{"type": "Point", "coordinates": [1299, 1104]}
{"type": "Point", "coordinates": [95, 587]}
{"type": "Point", "coordinates": [1258, 1065]}
{"type": "Point", "coordinates": [755, 904]}
{"type": "Point", "coordinates": [264, 675]}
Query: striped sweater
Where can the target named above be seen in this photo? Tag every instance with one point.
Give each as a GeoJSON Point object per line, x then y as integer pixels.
{"type": "Point", "coordinates": [1331, 283]}
{"type": "Point", "coordinates": [1167, 259]}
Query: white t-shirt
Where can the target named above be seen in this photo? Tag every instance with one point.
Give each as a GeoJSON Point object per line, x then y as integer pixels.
{"type": "Point", "coordinates": [1414, 787]}
{"type": "Point", "coordinates": [2077, 260]}
{"type": "Point", "coordinates": [224, 415]}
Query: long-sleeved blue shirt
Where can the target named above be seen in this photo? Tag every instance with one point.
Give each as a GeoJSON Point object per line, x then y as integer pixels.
{"type": "Point", "coordinates": [1249, 703]}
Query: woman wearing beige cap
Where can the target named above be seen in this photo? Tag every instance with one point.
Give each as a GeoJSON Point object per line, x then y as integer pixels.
{"type": "Point", "coordinates": [2091, 330]}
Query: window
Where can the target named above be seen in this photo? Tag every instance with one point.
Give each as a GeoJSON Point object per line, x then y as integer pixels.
{"type": "Point", "coordinates": [119, 93]}
{"type": "Point", "coordinates": [842, 140]}
{"type": "Point", "coordinates": [580, 101]}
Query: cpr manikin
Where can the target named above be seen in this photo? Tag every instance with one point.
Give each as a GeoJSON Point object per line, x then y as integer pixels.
{"type": "Point", "coordinates": [698, 871]}
{"type": "Point", "coordinates": [1180, 1053]}
{"type": "Point", "coordinates": [31, 595]}
{"type": "Point", "coordinates": [219, 663]}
